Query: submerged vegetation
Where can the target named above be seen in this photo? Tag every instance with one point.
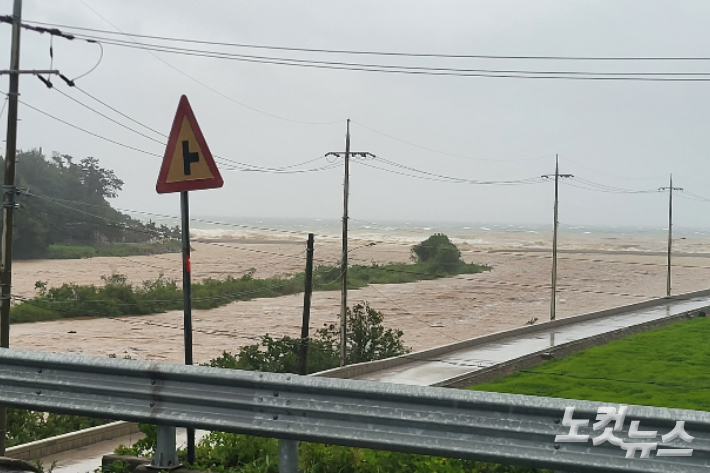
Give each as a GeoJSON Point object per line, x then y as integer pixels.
{"type": "Point", "coordinates": [119, 297]}
{"type": "Point", "coordinates": [77, 251]}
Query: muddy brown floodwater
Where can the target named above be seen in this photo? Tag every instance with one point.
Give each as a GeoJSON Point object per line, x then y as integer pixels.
{"type": "Point", "coordinates": [430, 313]}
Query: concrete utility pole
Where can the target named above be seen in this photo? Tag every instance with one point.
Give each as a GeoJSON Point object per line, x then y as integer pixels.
{"type": "Point", "coordinates": [344, 259]}
{"type": "Point", "coordinates": [8, 199]}
{"type": "Point", "coordinates": [553, 300]}
{"type": "Point", "coordinates": [344, 262]}
{"type": "Point", "coordinates": [670, 190]}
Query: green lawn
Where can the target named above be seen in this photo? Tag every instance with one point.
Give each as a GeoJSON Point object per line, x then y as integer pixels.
{"type": "Point", "coordinates": [667, 367]}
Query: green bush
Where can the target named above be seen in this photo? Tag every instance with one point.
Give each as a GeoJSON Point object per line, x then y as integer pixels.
{"type": "Point", "coordinates": [439, 253]}
{"type": "Point", "coordinates": [367, 340]}
{"type": "Point", "coordinates": [235, 453]}
{"type": "Point", "coordinates": [29, 426]}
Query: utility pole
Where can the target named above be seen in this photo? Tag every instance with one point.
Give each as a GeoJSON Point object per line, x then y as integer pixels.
{"type": "Point", "coordinates": [344, 259]}
{"type": "Point", "coordinates": [670, 190]}
{"type": "Point", "coordinates": [303, 349]}
{"type": "Point", "coordinates": [553, 300]}
{"type": "Point", "coordinates": [8, 199]}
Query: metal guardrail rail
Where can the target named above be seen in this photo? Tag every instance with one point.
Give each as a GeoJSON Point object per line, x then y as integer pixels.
{"type": "Point", "coordinates": [509, 429]}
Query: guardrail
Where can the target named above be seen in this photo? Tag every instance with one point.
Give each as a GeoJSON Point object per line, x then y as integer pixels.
{"type": "Point", "coordinates": [502, 428]}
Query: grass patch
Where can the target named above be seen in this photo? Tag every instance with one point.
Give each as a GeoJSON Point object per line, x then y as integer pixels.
{"type": "Point", "coordinates": [118, 297]}
{"type": "Point", "coordinates": [666, 367]}
{"type": "Point", "coordinates": [68, 251]}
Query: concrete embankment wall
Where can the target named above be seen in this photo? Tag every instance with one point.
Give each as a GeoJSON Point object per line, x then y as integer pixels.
{"type": "Point", "coordinates": [561, 351]}
{"type": "Point", "coordinates": [360, 369]}
{"type": "Point", "coordinates": [71, 441]}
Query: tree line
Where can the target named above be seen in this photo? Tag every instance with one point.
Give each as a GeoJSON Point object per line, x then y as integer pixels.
{"type": "Point", "coordinates": [66, 201]}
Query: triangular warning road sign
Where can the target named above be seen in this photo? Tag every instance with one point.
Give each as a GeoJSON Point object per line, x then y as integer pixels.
{"type": "Point", "coordinates": [188, 164]}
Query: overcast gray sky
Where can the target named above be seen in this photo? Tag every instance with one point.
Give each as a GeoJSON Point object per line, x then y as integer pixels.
{"type": "Point", "coordinates": [625, 134]}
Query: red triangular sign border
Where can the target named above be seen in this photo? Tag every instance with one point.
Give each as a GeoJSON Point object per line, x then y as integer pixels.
{"type": "Point", "coordinates": [185, 111]}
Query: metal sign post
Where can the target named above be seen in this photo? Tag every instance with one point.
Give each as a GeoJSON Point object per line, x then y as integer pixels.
{"type": "Point", "coordinates": [187, 165]}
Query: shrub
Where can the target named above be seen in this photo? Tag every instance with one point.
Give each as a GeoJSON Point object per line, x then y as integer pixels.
{"type": "Point", "coordinates": [439, 253]}
{"type": "Point", "coordinates": [367, 339]}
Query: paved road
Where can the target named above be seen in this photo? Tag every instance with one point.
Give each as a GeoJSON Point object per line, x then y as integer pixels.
{"type": "Point", "coordinates": [427, 372]}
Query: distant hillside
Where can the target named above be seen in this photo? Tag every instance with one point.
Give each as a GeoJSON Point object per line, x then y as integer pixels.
{"type": "Point", "coordinates": [64, 201]}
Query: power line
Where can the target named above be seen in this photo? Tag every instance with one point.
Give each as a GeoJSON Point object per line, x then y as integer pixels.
{"type": "Point", "coordinates": [119, 112]}
{"type": "Point", "coordinates": [420, 70]}
{"type": "Point", "coordinates": [96, 135]}
{"type": "Point", "coordinates": [381, 53]}
{"type": "Point", "coordinates": [443, 153]}
{"type": "Point", "coordinates": [441, 178]}
{"type": "Point", "coordinates": [197, 81]}
{"type": "Point", "coordinates": [245, 167]}
{"type": "Point", "coordinates": [595, 187]}
{"type": "Point", "coordinates": [109, 118]}
{"type": "Point", "coordinates": [612, 175]}
{"type": "Point", "coordinates": [405, 69]}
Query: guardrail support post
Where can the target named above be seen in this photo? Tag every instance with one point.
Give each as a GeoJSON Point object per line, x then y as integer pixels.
{"type": "Point", "coordinates": [166, 450]}
{"type": "Point", "coordinates": [288, 456]}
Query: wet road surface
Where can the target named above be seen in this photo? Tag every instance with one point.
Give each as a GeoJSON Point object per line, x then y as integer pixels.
{"type": "Point", "coordinates": [426, 372]}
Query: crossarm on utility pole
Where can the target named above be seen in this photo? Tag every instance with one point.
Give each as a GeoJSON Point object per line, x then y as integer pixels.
{"type": "Point", "coordinates": [670, 190]}
{"type": "Point", "coordinates": [344, 258]}
{"type": "Point", "coordinates": [557, 176]}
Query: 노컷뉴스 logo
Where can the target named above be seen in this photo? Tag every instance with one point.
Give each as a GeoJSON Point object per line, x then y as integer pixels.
{"type": "Point", "coordinates": [605, 415]}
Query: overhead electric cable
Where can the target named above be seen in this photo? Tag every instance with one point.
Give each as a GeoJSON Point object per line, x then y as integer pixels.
{"type": "Point", "coordinates": [229, 162]}
{"type": "Point", "coordinates": [423, 70]}
{"type": "Point", "coordinates": [380, 53]}
{"type": "Point", "coordinates": [444, 153]}
{"type": "Point", "coordinates": [452, 180]}
{"type": "Point", "coordinates": [592, 186]}
{"type": "Point", "coordinates": [119, 112]}
{"type": "Point", "coordinates": [468, 181]}
{"type": "Point", "coordinates": [183, 73]}
{"type": "Point", "coordinates": [89, 132]}
{"type": "Point", "coordinates": [567, 159]}
{"type": "Point", "coordinates": [109, 118]}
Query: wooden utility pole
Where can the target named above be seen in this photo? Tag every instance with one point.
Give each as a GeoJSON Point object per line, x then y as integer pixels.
{"type": "Point", "coordinates": [9, 195]}
{"type": "Point", "coordinates": [344, 260]}
{"type": "Point", "coordinates": [553, 299]}
{"type": "Point", "coordinates": [308, 289]}
{"type": "Point", "coordinates": [670, 190]}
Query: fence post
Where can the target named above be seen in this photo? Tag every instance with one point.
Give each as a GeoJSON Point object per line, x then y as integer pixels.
{"type": "Point", "coordinates": [288, 456]}
{"type": "Point", "coordinates": [166, 450]}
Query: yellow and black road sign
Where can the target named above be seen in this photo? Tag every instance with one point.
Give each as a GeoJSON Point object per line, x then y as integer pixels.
{"type": "Point", "coordinates": [188, 164]}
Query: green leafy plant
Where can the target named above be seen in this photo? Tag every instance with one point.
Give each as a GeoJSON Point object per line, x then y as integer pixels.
{"type": "Point", "coordinates": [367, 338]}
{"type": "Point", "coordinates": [119, 297]}
{"type": "Point", "coordinates": [438, 253]}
